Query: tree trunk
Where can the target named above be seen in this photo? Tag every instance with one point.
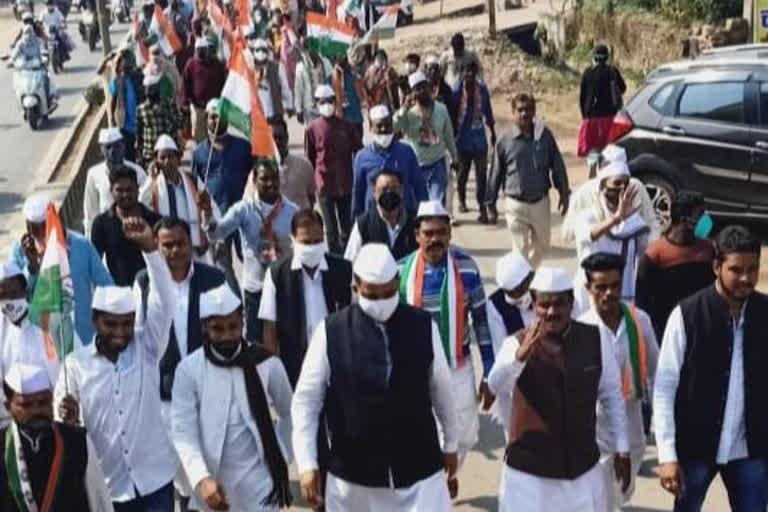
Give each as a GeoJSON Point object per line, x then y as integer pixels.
{"type": "Point", "coordinates": [491, 6]}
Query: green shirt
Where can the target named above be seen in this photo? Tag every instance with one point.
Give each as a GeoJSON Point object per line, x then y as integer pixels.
{"type": "Point", "coordinates": [429, 147]}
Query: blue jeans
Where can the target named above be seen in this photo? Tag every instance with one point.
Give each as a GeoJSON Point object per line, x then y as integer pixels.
{"type": "Point", "coordinates": [159, 501]}
{"type": "Point", "coordinates": [745, 479]}
{"type": "Point", "coordinates": [436, 178]}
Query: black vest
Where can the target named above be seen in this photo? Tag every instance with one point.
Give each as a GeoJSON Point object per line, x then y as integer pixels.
{"type": "Point", "coordinates": [374, 229]}
{"type": "Point", "coordinates": [704, 376]}
{"type": "Point", "coordinates": [513, 320]}
{"type": "Point", "coordinates": [72, 481]}
{"type": "Point", "coordinates": [291, 313]}
{"type": "Point", "coordinates": [204, 278]}
{"type": "Point", "coordinates": [381, 428]}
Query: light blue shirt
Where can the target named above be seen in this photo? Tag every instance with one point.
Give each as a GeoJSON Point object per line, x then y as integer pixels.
{"type": "Point", "coordinates": [87, 272]}
{"type": "Point", "coordinates": [247, 215]}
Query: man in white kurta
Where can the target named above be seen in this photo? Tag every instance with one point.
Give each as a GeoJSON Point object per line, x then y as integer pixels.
{"type": "Point", "coordinates": [112, 385]}
{"type": "Point", "coordinates": [212, 427]}
{"type": "Point", "coordinates": [97, 197]}
{"type": "Point", "coordinates": [552, 456]}
{"type": "Point", "coordinates": [612, 225]}
{"type": "Point", "coordinates": [627, 330]}
{"type": "Point", "coordinates": [395, 483]}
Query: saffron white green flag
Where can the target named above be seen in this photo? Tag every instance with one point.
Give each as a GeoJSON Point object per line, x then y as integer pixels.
{"type": "Point", "coordinates": [52, 299]}
{"type": "Point", "coordinates": [384, 28]}
{"type": "Point", "coordinates": [241, 107]}
{"type": "Point", "coordinates": [329, 38]}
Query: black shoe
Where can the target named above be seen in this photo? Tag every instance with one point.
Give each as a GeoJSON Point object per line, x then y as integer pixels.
{"type": "Point", "coordinates": [463, 207]}
{"type": "Point", "coordinates": [483, 218]}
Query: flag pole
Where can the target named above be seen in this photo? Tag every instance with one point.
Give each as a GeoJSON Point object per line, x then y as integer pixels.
{"type": "Point", "coordinates": [210, 152]}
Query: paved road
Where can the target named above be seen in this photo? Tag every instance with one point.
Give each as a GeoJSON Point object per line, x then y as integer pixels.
{"type": "Point", "coordinates": [24, 151]}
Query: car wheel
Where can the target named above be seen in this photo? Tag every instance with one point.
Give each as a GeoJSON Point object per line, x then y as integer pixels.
{"type": "Point", "coordinates": [661, 192]}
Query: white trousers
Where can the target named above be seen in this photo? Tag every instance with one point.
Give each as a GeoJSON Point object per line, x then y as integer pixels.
{"type": "Point", "coordinates": [530, 227]}
{"type": "Point", "coordinates": [465, 397]}
{"type": "Point", "coordinates": [523, 492]}
{"type": "Point", "coordinates": [430, 494]}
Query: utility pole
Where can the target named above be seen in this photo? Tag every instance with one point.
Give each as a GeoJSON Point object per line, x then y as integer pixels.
{"type": "Point", "coordinates": [491, 6]}
{"type": "Point", "coordinates": [101, 14]}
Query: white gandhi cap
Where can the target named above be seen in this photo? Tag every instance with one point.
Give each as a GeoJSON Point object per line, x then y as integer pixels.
{"type": "Point", "coordinates": [117, 300]}
{"type": "Point", "coordinates": [378, 113]}
{"type": "Point", "coordinates": [151, 79]}
{"type": "Point", "coordinates": [416, 78]}
{"type": "Point", "coordinates": [431, 209]}
{"type": "Point", "coordinates": [202, 42]}
{"type": "Point", "coordinates": [109, 135]}
{"type": "Point", "coordinates": [431, 59]}
{"type": "Point", "coordinates": [165, 141]}
{"type": "Point", "coordinates": [25, 378]}
{"type": "Point", "coordinates": [613, 170]}
{"type": "Point", "coordinates": [552, 280]}
{"type": "Point", "coordinates": [613, 153]}
{"type": "Point", "coordinates": [324, 91]}
{"type": "Point", "coordinates": [220, 301]}
{"type": "Point", "coordinates": [511, 270]}
{"type": "Point", "coordinates": [35, 207]}
{"type": "Point", "coordinates": [374, 264]}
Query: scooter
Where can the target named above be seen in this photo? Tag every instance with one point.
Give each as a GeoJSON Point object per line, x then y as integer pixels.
{"type": "Point", "coordinates": [19, 6]}
{"type": "Point", "coordinates": [29, 86]}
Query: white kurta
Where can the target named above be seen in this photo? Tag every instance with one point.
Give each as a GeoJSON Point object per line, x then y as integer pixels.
{"type": "Point", "coordinates": [585, 247]}
{"type": "Point", "coordinates": [636, 432]}
{"type": "Point", "coordinates": [114, 396]}
{"type": "Point", "coordinates": [340, 495]}
{"type": "Point", "coordinates": [587, 493]}
{"type": "Point", "coordinates": [355, 242]}
{"type": "Point", "coordinates": [97, 196]}
{"type": "Point", "coordinates": [215, 434]}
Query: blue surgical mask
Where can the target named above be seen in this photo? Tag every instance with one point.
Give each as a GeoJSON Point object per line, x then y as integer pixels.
{"type": "Point", "coordinates": [703, 227]}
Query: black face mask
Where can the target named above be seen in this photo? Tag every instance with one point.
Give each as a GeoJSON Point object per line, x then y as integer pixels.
{"type": "Point", "coordinates": [389, 200]}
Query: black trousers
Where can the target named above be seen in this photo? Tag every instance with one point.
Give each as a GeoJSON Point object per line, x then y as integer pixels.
{"type": "Point", "coordinates": [465, 163]}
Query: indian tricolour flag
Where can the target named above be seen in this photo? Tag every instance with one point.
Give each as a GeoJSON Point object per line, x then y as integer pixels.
{"type": "Point", "coordinates": [52, 299]}
{"type": "Point", "coordinates": [167, 37]}
{"type": "Point", "coordinates": [241, 107]}
{"type": "Point", "coordinates": [224, 31]}
{"type": "Point", "coordinates": [328, 37]}
{"type": "Point", "coordinates": [384, 28]}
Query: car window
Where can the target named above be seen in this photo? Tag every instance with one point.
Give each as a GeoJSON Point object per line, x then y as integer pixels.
{"type": "Point", "coordinates": [719, 101]}
{"type": "Point", "coordinates": [764, 103]}
{"type": "Point", "coordinates": [659, 99]}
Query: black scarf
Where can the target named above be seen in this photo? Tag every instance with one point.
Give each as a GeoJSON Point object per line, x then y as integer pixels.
{"type": "Point", "coordinates": [248, 357]}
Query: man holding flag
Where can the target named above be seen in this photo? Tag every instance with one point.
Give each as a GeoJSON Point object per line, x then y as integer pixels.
{"type": "Point", "coordinates": [86, 269]}
{"type": "Point", "coordinates": [447, 283]}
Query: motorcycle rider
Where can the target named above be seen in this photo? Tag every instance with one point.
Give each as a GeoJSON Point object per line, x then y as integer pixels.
{"type": "Point", "coordinates": [53, 18]}
{"type": "Point", "coordinates": [29, 48]}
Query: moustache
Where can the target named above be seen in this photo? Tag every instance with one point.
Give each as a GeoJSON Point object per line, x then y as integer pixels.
{"type": "Point", "coordinates": [435, 245]}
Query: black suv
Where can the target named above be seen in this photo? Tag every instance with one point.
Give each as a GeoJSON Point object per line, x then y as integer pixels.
{"type": "Point", "coordinates": [702, 125]}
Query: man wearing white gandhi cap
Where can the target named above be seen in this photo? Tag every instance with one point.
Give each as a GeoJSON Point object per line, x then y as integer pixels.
{"type": "Point", "coordinates": [559, 370]}
{"type": "Point", "coordinates": [85, 265]}
{"type": "Point", "coordinates": [242, 463]}
{"type": "Point", "coordinates": [613, 225]}
{"type": "Point", "coordinates": [378, 370]}
{"type": "Point", "coordinates": [112, 387]}
{"type": "Point", "coordinates": [385, 153]}
{"type": "Point", "coordinates": [44, 465]}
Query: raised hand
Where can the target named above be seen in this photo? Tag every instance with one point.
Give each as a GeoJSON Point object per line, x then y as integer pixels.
{"type": "Point", "coordinates": [530, 340]}
{"type": "Point", "coordinates": [138, 231]}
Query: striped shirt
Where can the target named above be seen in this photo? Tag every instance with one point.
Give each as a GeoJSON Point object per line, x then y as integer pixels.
{"type": "Point", "coordinates": [474, 301]}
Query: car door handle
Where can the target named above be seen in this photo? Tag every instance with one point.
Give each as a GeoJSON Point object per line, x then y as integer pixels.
{"type": "Point", "coordinates": [761, 144]}
{"type": "Point", "coordinates": [673, 130]}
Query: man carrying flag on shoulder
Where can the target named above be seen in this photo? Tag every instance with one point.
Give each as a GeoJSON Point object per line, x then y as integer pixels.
{"type": "Point", "coordinates": [446, 283]}
{"type": "Point", "coordinates": [44, 465]}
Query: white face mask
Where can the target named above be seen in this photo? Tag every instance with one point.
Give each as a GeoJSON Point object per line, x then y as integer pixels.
{"type": "Point", "coordinates": [310, 254]}
{"type": "Point", "coordinates": [260, 55]}
{"type": "Point", "coordinates": [523, 303]}
{"type": "Point", "coordinates": [14, 309]}
{"type": "Point", "coordinates": [383, 140]}
{"type": "Point", "coordinates": [379, 309]}
{"type": "Point", "coordinates": [326, 109]}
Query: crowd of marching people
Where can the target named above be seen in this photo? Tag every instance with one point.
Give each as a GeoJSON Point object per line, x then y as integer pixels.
{"type": "Point", "coordinates": [234, 308]}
